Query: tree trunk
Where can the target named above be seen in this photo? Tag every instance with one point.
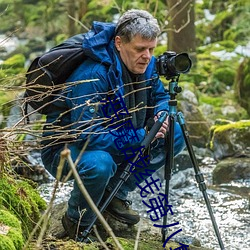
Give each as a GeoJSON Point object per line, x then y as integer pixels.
{"type": "Point", "coordinates": [83, 7]}
{"type": "Point", "coordinates": [181, 27]}
{"type": "Point", "coordinates": [71, 6]}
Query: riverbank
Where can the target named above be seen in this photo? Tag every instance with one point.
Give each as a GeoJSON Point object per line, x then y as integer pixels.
{"type": "Point", "coordinates": [229, 202]}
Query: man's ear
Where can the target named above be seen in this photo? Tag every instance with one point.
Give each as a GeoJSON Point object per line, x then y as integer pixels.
{"type": "Point", "coordinates": [118, 42]}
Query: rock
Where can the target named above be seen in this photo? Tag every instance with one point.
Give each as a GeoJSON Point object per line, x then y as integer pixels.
{"type": "Point", "coordinates": [231, 169]}
{"type": "Point", "coordinates": [190, 96]}
{"type": "Point", "coordinates": [197, 125]}
{"type": "Point", "coordinates": [232, 139]}
{"type": "Point", "coordinates": [181, 179]}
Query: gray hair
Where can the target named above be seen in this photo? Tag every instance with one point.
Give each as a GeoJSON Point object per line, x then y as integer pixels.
{"type": "Point", "coordinates": [137, 22]}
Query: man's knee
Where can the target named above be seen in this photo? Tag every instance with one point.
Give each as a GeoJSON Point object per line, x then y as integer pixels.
{"type": "Point", "coordinates": [97, 164]}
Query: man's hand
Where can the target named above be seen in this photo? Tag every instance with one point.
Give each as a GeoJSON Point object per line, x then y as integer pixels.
{"type": "Point", "coordinates": [164, 128]}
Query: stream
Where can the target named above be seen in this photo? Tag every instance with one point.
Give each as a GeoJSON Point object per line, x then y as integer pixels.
{"type": "Point", "coordinates": [230, 204]}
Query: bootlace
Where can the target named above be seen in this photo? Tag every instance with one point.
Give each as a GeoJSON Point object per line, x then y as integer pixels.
{"type": "Point", "coordinates": [127, 203]}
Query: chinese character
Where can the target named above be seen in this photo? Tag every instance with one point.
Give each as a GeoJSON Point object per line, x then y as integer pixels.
{"type": "Point", "coordinates": [141, 176]}
{"type": "Point", "coordinates": [160, 205]}
{"type": "Point", "coordinates": [148, 186]}
{"type": "Point", "coordinates": [116, 106]}
{"type": "Point", "coordinates": [126, 133]}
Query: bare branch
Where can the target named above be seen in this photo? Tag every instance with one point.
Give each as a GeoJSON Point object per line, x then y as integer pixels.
{"type": "Point", "coordinates": [66, 154]}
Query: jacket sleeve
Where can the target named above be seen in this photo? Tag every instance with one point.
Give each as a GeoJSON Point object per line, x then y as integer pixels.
{"type": "Point", "coordinates": [87, 117]}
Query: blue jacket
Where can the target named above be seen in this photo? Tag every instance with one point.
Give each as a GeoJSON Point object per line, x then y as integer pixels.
{"type": "Point", "coordinates": [85, 118]}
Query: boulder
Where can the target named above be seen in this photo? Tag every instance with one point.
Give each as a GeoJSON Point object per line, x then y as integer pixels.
{"type": "Point", "coordinates": [197, 125]}
{"type": "Point", "coordinates": [231, 169]}
{"type": "Point", "coordinates": [231, 139]}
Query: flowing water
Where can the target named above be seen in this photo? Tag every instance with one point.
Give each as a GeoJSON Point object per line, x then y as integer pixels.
{"type": "Point", "coordinates": [230, 204]}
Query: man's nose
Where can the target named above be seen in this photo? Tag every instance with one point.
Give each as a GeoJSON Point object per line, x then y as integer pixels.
{"type": "Point", "coordinates": [146, 54]}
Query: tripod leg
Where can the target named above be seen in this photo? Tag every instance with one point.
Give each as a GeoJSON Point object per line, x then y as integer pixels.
{"type": "Point", "coordinates": [168, 167]}
{"type": "Point", "coordinates": [199, 176]}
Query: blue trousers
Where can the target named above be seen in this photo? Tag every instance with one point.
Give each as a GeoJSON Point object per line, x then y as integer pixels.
{"type": "Point", "coordinates": [100, 170]}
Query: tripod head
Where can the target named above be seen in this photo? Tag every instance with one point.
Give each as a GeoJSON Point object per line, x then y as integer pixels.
{"type": "Point", "coordinates": [174, 89]}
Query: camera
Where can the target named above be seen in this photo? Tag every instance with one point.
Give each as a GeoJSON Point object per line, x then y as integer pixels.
{"type": "Point", "coordinates": [171, 65]}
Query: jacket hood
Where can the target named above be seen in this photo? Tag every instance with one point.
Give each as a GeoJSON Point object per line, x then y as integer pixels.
{"type": "Point", "coordinates": [98, 43]}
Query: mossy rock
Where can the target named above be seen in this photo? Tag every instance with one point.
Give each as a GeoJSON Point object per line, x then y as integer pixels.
{"type": "Point", "coordinates": [231, 139]}
{"type": "Point", "coordinates": [13, 70]}
{"type": "Point", "coordinates": [16, 61]}
{"type": "Point", "coordinates": [21, 199]}
{"type": "Point", "coordinates": [11, 237]}
{"type": "Point", "coordinates": [219, 107]}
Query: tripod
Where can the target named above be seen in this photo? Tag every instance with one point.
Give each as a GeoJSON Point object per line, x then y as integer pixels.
{"type": "Point", "coordinates": [173, 90]}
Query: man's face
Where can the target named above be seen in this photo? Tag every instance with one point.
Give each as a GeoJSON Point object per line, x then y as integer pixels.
{"type": "Point", "coordinates": [137, 53]}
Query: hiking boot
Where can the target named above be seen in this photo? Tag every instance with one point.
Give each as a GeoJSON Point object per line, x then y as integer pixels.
{"type": "Point", "coordinates": [75, 231]}
{"type": "Point", "coordinates": [121, 211]}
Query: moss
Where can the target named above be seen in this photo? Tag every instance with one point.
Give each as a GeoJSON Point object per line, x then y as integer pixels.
{"type": "Point", "coordinates": [9, 219]}
{"type": "Point", "coordinates": [235, 125]}
{"type": "Point", "coordinates": [219, 102]}
{"type": "Point", "coordinates": [229, 45]}
{"type": "Point", "coordinates": [16, 61]}
{"type": "Point", "coordinates": [16, 237]}
{"type": "Point", "coordinates": [242, 84]}
{"type": "Point", "coordinates": [225, 75]}
{"type": "Point", "coordinates": [13, 239]}
{"type": "Point", "coordinates": [212, 100]}
{"type": "Point", "coordinates": [13, 70]}
{"type": "Point", "coordinates": [6, 243]}
{"type": "Point", "coordinates": [239, 128]}
{"type": "Point", "coordinates": [22, 200]}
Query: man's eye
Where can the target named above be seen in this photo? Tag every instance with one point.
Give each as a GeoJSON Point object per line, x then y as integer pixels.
{"type": "Point", "coordinates": [139, 50]}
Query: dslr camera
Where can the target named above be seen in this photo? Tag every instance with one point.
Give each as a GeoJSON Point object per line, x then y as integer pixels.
{"type": "Point", "coordinates": [171, 65]}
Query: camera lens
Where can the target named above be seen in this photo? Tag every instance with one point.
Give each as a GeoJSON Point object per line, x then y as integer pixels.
{"type": "Point", "coordinates": [182, 63]}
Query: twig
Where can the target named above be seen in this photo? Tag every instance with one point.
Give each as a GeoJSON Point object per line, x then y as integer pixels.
{"type": "Point", "coordinates": [77, 21]}
{"type": "Point", "coordinates": [99, 238]}
{"type": "Point", "coordinates": [66, 154]}
{"type": "Point", "coordinates": [137, 237]}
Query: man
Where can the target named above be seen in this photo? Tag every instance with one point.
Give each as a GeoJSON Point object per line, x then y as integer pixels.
{"type": "Point", "coordinates": [123, 86]}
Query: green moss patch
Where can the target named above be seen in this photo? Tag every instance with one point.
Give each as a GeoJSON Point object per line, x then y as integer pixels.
{"type": "Point", "coordinates": [10, 231]}
{"type": "Point", "coordinates": [22, 200]}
